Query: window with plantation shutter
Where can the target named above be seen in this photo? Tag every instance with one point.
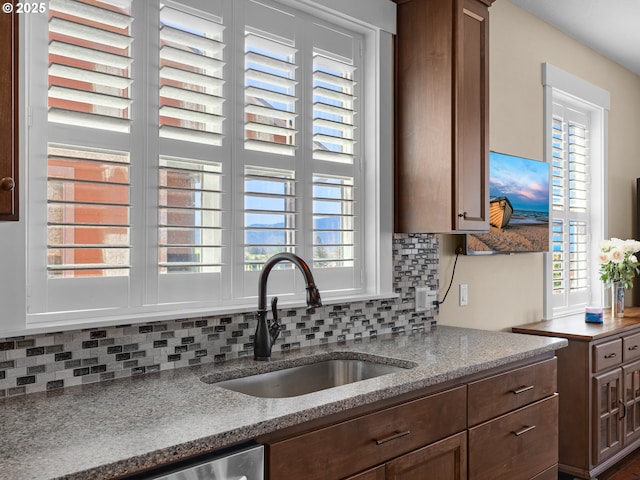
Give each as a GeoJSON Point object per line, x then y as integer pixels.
{"type": "Point", "coordinates": [333, 109]}
{"type": "Point", "coordinates": [193, 153]}
{"type": "Point", "coordinates": [270, 215]}
{"type": "Point", "coordinates": [333, 222]}
{"type": "Point", "coordinates": [88, 212]}
{"type": "Point", "coordinates": [336, 156]}
{"type": "Point", "coordinates": [190, 216]}
{"type": "Point", "coordinates": [191, 77]}
{"type": "Point", "coordinates": [270, 95]}
{"type": "Point", "coordinates": [83, 144]}
{"type": "Point", "coordinates": [89, 64]}
{"type": "Point", "coordinates": [176, 145]}
{"type": "Point", "coordinates": [570, 206]}
{"type": "Point", "coordinates": [575, 132]}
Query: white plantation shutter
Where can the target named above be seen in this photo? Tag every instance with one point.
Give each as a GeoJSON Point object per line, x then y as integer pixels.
{"type": "Point", "coordinates": [194, 156]}
{"type": "Point", "coordinates": [333, 222]}
{"type": "Point", "coordinates": [333, 109]}
{"type": "Point", "coordinates": [185, 143]}
{"type": "Point", "coordinates": [570, 210]}
{"type": "Point", "coordinates": [191, 76]}
{"type": "Point", "coordinates": [273, 165]}
{"type": "Point", "coordinates": [89, 64]}
{"type": "Point", "coordinates": [270, 95]}
{"type": "Point", "coordinates": [83, 255]}
{"type": "Point", "coordinates": [270, 215]}
{"type": "Point", "coordinates": [190, 216]}
{"type": "Point", "coordinates": [88, 214]}
{"type": "Point", "coordinates": [336, 157]}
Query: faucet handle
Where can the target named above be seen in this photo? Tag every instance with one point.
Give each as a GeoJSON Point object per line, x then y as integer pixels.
{"type": "Point", "coordinates": [274, 309]}
{"type": "Point", "coordinates": [274, 326]}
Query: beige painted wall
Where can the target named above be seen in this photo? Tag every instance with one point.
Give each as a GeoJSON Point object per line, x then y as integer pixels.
{"type": "Point", "coordinates": [507, 290]}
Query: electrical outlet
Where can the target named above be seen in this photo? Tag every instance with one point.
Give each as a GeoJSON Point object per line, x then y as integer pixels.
{"type": "Point", "coordinates": [464, 294]}
{"type": "Point", "coordinates": [426, 299]}
{"type": "Point", "coordinates": [421, 299]}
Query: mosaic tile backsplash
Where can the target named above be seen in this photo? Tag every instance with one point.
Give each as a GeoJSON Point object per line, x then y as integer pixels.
{"type": "Point", "coordinates": [50, 361]}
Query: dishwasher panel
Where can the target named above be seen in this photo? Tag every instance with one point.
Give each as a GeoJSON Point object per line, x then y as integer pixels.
{"type": "Point", "coordinates": [244, 464]}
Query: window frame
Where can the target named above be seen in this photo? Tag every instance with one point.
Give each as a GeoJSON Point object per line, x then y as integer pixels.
{"type": "Point", "coordinates": [571, 91]}
{"type": "Point", "coordinates": [375, 177]}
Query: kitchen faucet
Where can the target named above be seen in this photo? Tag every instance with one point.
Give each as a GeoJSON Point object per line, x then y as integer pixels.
{"type": "Point", "coordinates": [267, 331]}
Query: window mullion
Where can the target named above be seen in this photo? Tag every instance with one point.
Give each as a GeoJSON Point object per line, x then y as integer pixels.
{"type": "Point", "coordinates": [144, 152]}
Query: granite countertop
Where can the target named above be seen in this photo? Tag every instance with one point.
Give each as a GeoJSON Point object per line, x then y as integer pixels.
{"type": "Point", "coordinates": [111, 429]}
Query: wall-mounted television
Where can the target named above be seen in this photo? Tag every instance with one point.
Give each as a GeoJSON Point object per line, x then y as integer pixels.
{"type": "Point", "coordinates": [518, 208]}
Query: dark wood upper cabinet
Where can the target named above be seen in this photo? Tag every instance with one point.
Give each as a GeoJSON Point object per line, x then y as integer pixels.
{"type": "Point", "coordinates": [442, 116]}
{"type": "Point", "coordinates": [9, 117]}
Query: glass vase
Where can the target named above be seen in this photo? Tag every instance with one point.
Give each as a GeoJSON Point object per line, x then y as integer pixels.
{"type": "Point", "coordinates": [617, 300]}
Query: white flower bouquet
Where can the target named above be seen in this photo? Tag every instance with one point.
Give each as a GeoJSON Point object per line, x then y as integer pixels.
{"type": "Point", "coordinates": [618, 262]}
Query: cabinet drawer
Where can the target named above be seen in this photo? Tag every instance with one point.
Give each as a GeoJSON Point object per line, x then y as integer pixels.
{"type": "Point", "coordinates": [606, 355]}
{"type": "Point", "coordinates": [343, 449]}
{"type": "Point", "coordinates": [630, 347]}
{"type": "Point", "coordinates": [502, 393]}
{"type": "Point", "coordinates": [521, 444]}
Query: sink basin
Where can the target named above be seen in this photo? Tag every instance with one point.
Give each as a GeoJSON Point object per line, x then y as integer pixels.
{"type": "Point", "coordinates": [313, 377]}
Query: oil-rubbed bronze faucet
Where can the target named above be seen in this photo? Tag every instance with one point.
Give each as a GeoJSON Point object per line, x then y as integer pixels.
{"type": "Point", "coordinates": [267, 331]}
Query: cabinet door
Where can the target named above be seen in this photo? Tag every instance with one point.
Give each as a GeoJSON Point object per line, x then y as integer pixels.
{"type": "Point", "coordinates": [8, 117]}
{"type": "Point", "coordinates": [471, 158]}
{"type": "Point", "coordinates": [631, 383]}
{"type": "Point", "coordinates": [442, 121]}
{"type": "Point", "coordinates": [607, 427]}
{"type": "Point", "coordinates": [446, 459]}
{"type": "Point", "coordinates": [518, 445]}
{"type": "Point", "coordinates": [424, 117]}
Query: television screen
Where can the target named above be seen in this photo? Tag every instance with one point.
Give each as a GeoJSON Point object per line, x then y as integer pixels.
{"type": "Point", "coordinates": [518, 207]}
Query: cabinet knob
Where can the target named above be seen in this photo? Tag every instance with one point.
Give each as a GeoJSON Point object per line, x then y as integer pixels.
{"type": "Point", "coordinates": [7, 184]}
{"type": "Point", "coordinates": [462, 215]}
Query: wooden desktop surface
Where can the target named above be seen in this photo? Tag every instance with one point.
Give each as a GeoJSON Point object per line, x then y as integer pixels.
{"type": "Point", "coordinates": [575, 326]}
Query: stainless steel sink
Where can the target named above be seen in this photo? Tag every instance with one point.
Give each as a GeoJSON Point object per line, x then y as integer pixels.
{"type": "Point", "coordinates": [293, 381]}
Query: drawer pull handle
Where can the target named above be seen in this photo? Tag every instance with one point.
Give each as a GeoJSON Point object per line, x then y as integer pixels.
{"type": "Point", "coordinates": [611, 355]}
{"type": "Point", "coordinates": [522, 390]}
{"type": "Point", "coordinates": [393, 437]}
{"type": "Point", "coordinates": [623, 410]}
{"type": "Point", "coordinates": [635, 347]}
{"type": "Point", "coordinates": [524, 430]}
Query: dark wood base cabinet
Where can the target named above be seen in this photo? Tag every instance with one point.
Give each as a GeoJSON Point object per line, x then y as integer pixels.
{"type": "Point", "coordinates": [510, 432]}
{"type": "Point", "coordinates": [599, 387]}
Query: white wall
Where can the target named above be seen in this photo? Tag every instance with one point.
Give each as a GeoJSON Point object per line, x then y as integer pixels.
{"type": "Point", "coordinates": [508, 290]}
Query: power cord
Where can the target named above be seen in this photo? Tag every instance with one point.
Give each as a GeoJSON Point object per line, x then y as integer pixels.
{"type": "Point", "coordinates": [453, 273]}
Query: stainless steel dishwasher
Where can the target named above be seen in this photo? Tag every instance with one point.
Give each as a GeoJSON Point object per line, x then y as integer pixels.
{"type": "Point", "coordinates": [245, 462]}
